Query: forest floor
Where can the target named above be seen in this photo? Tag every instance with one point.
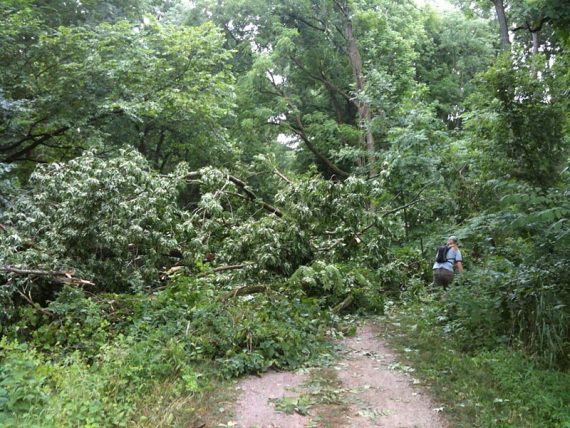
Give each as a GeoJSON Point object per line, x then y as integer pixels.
{"type": "Point", "coordinates": [365, 387]}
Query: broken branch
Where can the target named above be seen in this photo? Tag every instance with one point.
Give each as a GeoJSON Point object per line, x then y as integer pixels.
{"type": "Point", "coordinates": [343, 305]}
{"type": "Point", "coordinates": [28, 299]}
{"type": "Point", "coordinates": [224, 268]}
{"type": "Point", "coordinates": [57, 276]}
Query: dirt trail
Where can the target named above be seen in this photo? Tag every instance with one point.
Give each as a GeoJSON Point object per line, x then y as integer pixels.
{"type": "Point", "coordinates": [366, 388]}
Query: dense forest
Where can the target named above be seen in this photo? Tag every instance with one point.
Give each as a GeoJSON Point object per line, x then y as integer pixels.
{"type": "Point", "coordinates": [195, 190]}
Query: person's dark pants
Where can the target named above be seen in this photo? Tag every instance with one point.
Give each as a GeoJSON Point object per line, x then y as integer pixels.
{"type": "Point", "coordinates": [442, 277]}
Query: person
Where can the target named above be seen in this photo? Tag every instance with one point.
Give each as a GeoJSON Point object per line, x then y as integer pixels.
{"type": "Point", "coordinates": [443, 272]}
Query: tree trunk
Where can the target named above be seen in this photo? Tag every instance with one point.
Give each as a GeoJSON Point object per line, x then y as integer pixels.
{"type": "Point", "coordinates": [535, 42]}
{"type": "Point", "coordinates": [364, 115]}
{"type": "Point", "coordinates": [503, 27]}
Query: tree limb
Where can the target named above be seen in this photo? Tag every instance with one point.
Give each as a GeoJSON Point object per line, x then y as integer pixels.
{"type": "Point", "coordinates": [299, 129]}
{"type": "Point", "coordinates": [36, 141]}
{"type": "Point", "coordinates": [57, 276]}
{"type": "Point", "coordinates": [530, 28]}
{"type": "Point", "coordinates": [225, 268]}
{"type": "Point", "coordinates": [328, 84]}
{"type": "Point", "coordinates": [28, 299]}
{"type": "Point", "coordinates": [242, 186]}
{"type": "Point", "coordinates": [307, 23]}
{"type": "Point", "coordinates": [395, 210]}
{"type": "Point", "coordinates": [282, 176]}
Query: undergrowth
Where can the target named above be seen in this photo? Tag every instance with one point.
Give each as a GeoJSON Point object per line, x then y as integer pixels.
{"type": "Point", "coordinates": [100, 370]}
{"type": "Point", "coordinates": [493, 386]}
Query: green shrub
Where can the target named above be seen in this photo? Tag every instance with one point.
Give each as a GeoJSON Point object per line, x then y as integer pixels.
{"type": "Point", "coordinates": [503, 303]}
{"type": "Point", "coordinates": [405, 265]}
{"type": "Point", "coordinates": [498, 387]}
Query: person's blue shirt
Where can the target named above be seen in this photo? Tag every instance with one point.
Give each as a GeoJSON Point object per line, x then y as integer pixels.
{"type": "Point", "coordinates": [453, 256]}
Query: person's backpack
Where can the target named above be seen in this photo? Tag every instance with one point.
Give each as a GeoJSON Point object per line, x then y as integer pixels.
{"type": "Point", "coordinates": [442, 254]}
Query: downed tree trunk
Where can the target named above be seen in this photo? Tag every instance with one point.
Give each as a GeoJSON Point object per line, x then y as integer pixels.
{"type": "Point", "coordinates": [57, 276]}
{"type": "Point", "coordinates": [343, 305]}
{"type": "Point", "coordinates": [244, 291]}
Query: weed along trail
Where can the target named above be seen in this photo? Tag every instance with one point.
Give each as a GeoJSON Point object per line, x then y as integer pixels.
{"type": "Point", "coordinates": [367, 387]}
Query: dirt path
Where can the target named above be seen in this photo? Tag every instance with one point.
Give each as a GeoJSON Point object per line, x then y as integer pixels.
{"type": "Point", "coordinates": [366, 388]}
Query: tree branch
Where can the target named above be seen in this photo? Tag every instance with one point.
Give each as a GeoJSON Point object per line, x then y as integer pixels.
{"type": "Point", "coordinates": [40, 139]}
{"type": "Point", "coordinates": [225, 268]}
{"type": "Point", "coordinates": [328, 84]}
{"type": "Point", "coordinates": [307, 23]}
{"type": "Point", "coordinates": [57, 276]}
{"type": "Point", "coordinates": [395, 210]}
{"type": "Point", "coordinates": [36, 141]}
{"type": "Point", "coordinates": [535, 29]}
{"type": "Point", "coordinates": [28, 299]}
{"type": "Point", "coordinates": [300, 131]}
{"type": "Point", "coordinates": [243, 188]}
{"type": "Point", "coordinates": [282, 176]}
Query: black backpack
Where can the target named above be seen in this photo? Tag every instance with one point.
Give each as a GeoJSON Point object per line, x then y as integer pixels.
{"type": "Point", "coordinates": [442, 254]}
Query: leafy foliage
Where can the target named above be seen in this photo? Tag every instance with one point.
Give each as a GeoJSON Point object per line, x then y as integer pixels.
{"type": "Point", "coordinates": [506, 114]}
{"type": "Point", "coordinates": [485, 387]}
{"type": "Point", "coordinates": [157, 87]}
{"type": "Point", "coordinates": [112, 220]}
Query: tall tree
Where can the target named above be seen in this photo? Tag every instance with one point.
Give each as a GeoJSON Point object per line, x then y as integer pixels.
{"type": "Point", "coordinates": [456, 49]}
{"type": "Point", "coordinates": [325, 74]}
{"type": "Point", "coordinates": [161, 88]}
{"type": "Point", "coordinates": [503, 25]}
{"type": "Point", "coordinates": [362, 104]}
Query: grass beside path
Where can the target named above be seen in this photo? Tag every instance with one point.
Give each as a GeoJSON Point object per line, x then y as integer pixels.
{"type": "Point", "coordinates": [486, 388]}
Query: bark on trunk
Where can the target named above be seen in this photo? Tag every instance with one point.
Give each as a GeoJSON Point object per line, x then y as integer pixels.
{"type": "Point", "coordinates": [364, 114]}
{"type": "Point", "coordinates": [535, 42]}
{"type": "Point", "coordinates": [503, 27]}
